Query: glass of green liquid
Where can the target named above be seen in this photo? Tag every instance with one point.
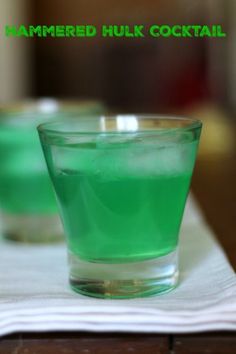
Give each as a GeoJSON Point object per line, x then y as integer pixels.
{"type": "Point", "coordinates": [28, 208]}
{"type": "Point", "coordinates": [121, 184]}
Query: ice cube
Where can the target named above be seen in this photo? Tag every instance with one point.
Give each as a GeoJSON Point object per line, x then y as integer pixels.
{"type": "Point", "coordinates": [148, 161]}
{"type": "Point", "coordinates": [78, 158]}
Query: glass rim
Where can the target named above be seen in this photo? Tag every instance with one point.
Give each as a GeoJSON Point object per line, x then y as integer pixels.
{"type": "Point", "coordinates": [47, 104]}
{"type": "Point", "coordinates": [7, 116]}
{"type": "Point", "coordinates": [47, 127]}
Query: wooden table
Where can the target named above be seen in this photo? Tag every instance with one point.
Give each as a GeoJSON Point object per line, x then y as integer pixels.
{"type": "Point", "coordinates": [214, 187]}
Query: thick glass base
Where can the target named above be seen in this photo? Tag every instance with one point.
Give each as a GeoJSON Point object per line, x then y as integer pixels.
{"type": "Point", "coordinates": [31, 228]}
{"type": "Point", "coordinates": [124, 280]}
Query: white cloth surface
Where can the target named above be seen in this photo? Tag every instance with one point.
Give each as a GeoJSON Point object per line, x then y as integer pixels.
{"type": "Point", "coordinates": [35, 295]}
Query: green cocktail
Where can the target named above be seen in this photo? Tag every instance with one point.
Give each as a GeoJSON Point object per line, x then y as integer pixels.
{"type": "Point", "coordinates": [122, 194]}
{"type": "Point", "coordinates": [27, 202]}
{"type": "Point", "coordinates": [25, 187]}
{"type": "Point", "coordinates": [28, 207]}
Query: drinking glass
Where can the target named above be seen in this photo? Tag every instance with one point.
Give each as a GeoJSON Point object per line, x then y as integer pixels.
{"type": "Point", "coordinates": [27, 203]}
{"type": "Point", "coordinates": [121, 184]}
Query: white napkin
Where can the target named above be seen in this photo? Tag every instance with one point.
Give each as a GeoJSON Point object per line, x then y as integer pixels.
{"type": "Point", "coordinates": [35, 296]}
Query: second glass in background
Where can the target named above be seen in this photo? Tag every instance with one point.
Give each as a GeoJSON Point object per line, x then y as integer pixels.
{"type": "Point", "coordinates": [27, 203]}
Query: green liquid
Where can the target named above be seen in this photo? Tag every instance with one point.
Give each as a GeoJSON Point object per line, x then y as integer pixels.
{"type": "Point", "coordinates": [115, 213]}
{"type": "Point", "coordinates": [127, 220]}
{"type": "Point", "coordinates": [27, 194]}
{"type": "Point", "coordinates": [25, 187]}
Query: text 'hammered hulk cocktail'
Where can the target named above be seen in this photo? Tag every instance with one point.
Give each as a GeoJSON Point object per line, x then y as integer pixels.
{"type": "Point", "coordinates": [121, 184]}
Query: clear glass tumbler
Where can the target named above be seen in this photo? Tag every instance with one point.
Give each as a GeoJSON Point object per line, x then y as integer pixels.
{"type": "Point", "coordinates": [121, 184]}
{"type": "Point", "coordinates": [28, 209]}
